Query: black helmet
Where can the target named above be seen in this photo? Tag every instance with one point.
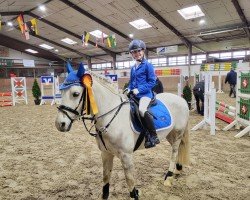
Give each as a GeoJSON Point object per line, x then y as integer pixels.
{"type": "Point", "coordinates": [136, 44]}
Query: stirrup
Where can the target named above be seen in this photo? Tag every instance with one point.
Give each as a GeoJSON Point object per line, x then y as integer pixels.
{"type": "Point", "coordinates": [149, 143]}
{"type": "Point", "coordinates": [156, 139]}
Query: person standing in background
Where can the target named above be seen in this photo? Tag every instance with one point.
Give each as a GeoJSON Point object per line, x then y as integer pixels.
{"type": "Point", "coordinates": [231, 78]}
{"type": "Point", "coordinates": [198, 92]}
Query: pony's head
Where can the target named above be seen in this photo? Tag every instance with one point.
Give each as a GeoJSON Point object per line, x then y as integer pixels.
{"type": "Point", "coordinates": [72, 90]}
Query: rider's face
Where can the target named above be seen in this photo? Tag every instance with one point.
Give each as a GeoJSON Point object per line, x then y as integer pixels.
{"type": "Point", "coordinates": [137, 54]}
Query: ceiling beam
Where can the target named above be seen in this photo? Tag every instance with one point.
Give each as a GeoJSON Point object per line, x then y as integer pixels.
{"type": "Point", "coordinates": [69, 32]}
{"type": "Point", "coordinates": [46, 2]}
{"type": "Point", "coordinates": [85, 56]}
{"type": "Point", "coordinates": [62, 46]}
{"type": "Point", "coordinates": [21, 46]}
{"type": "Point", "coordinates": [84, 12]}
{"type": "Point", "coordinates": [242, 16]}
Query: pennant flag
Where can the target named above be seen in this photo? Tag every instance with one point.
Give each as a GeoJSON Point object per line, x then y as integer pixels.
{"type": "Point", "coordinates": [34, 25]}
{"type": "Point", "coordinates": [26, 32]}
{"type": "Point", "coordinates": [83, 43]}
{"type": "Point", "coordinates": [85, 38]}
{"type": "Point", "coordinates": [108, 41]}
{"type": "Point", "coordinates": [21, 22]}
{"type": "Point", "coordinates": [30, 28]}
{"type": "Point", "coordinates": [113, 41]}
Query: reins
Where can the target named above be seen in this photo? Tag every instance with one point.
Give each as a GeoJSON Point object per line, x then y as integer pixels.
{"type": "Point", "coordinates": [65, 109]}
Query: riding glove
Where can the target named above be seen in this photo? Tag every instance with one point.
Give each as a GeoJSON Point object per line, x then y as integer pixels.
{"type": "Point", "coordinates": [135, 91]}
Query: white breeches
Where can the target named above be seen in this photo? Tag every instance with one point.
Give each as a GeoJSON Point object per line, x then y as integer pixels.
{"type": "Point", "coordinates": [143, 105]}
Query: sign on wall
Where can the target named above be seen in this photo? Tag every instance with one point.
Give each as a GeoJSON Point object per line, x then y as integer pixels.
{"type": "Point", "coordinates": [113, 77]}
{"type": "Point", "coordinates": [28, 63]}
{"type": "Point", "coordinates": [169, 49]}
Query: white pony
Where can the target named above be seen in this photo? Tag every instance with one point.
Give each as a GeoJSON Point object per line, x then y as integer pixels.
{"type": "Point", "coordinates": [114, 135]}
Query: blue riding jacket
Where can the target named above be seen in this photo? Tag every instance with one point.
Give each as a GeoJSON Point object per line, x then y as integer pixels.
{"type": "Point", "coordinates": [143, 78]}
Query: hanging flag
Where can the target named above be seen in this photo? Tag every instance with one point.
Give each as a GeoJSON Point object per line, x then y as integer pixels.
{"type": "Point", "coordinates": [26, 32]}
{"type": "Point", "coordinates": [20, 22]}
{"type": "Point", "coordinates": [113, 41]}
{"type": "Point", "coordinates": [109, 41]}
{"type": "Point", "coordinates": [34, 25]}
{"type": "Point", "coordinates": [86, 38]}
{"type": "Point", "coordinates": [83, 43]}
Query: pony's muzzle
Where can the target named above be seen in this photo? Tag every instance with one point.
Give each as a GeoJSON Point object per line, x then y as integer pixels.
{"type": "Point", "coordinates": [62, 126]}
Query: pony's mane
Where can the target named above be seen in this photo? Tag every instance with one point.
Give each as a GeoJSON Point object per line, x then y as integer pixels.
{"type": "Point", "coordinates": [106, 82]}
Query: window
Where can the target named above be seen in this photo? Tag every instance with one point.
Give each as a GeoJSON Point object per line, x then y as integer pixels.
{"type": "Point", "coordinates": [226, 55]}
{"type": "Point", "coordinates": [200, 58]}
{"type": "Point", "coordinates": [154, 61]}
{"type": "Point", "coordinates": [181, 60]}
{"type": "Point", "coordinates": [248, 52]}
{"type": "Point", "coordinates": [162, 61]}
{"type": "Point", "coordinates": [98, 66]}
{"type": "Point", "coordinates": [214, 55]}
{"type": "Point", "coordinates": [104, 65]}
{"type": "Point", "coordinates": [172, 60]}
{"type": "Point", "coordinates": [239, 54]}
{"type": "Point", "coordinates": [126, 64]}
{"type": "Point", "coordinates": [119, 65]}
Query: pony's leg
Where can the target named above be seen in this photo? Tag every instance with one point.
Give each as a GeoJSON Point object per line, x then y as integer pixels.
{"type": "Point", "coordinates": [175, 143]}
{"type": "Point", "coordinates": [180, 143]}
{"type": "Point", "coordinates": [107, 160]}
{"type": "Point", "coordinates": [128, 166]}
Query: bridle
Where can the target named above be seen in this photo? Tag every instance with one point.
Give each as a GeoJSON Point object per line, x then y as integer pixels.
{"type": "Point", "coordinates": [65, 109]}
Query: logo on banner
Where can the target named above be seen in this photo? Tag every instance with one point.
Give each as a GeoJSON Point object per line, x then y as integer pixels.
{"type": "Point", "coordinates": [113, 77]}
{"type": "Point", "coordinates": [47, 79]}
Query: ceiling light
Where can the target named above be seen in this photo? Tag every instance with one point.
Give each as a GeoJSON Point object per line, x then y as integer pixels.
{"type": "Point", "coordinates": [98, 34]}
{"type": "Point", "coordinates": [56, 50]}
{"type": "Point", "coordinates": [140, 24]}
{"type": "Point", "coordinates": [202, 21]}
{"type": "Point", "coordinates": [191, 12]}
{"type": "Point", "coordinates": [9, 24]}
{"type": "Point", "coordinates": [31, 51]}
{"type": "Point", "coordinates": [46, 46]}
{"type": "Point", "coordinates": [42, 7]}
{"type": "Point", "coordinates": [68, 41]}
{"type": "Point", "coordinates": [131, 35]}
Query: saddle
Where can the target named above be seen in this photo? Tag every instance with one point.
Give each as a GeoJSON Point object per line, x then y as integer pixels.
{"type": "Point", "coordinates": [161, 115]}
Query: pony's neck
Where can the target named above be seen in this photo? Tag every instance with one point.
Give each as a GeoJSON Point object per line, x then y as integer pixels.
{"type": "Point", "coordinates": [106, 97]}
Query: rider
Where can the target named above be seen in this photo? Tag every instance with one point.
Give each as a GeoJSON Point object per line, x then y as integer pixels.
{"type": "Point", "coordinates": [142, 80]}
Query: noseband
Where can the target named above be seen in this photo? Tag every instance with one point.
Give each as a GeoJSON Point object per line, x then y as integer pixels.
{"type": "Point", "coordinates": [65, 109]}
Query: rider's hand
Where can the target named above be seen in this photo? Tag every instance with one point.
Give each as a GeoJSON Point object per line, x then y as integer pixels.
{"type": "Point", "coordinates": [135, 91]}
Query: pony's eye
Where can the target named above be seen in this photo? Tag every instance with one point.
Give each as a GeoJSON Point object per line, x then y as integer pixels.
{"type": "Point", "coordinates": [76, 94]}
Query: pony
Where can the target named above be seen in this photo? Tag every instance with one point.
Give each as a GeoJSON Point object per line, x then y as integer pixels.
{"type": "Point", "coordinates": [114, 135]}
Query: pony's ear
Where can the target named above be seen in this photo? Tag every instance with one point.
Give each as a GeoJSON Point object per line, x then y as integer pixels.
{"type": "Point", "coordinates": [80, 71]}
{"type": "Point", "coordinates": [69, 68]}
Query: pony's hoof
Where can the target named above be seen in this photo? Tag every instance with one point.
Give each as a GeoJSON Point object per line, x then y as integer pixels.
{"type": "Point", "coordinates": [139, 194]}
{"type": "Point", "coordinates": [169, 181]}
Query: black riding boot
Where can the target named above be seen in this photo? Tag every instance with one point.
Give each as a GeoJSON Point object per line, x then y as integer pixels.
{"type": "Point", "coordinates": [151, 138]}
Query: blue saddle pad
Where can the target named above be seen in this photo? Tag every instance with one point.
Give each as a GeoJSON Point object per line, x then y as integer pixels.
{"type": "Point", "coordinates": [162, 117]}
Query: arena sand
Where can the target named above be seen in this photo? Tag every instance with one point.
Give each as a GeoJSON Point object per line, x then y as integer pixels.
{"type": "Point", "coordinates": [38, 162]}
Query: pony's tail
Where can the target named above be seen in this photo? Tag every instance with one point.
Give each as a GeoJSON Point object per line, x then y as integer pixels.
{"type": "Point", "coordinates": [184, 148]}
